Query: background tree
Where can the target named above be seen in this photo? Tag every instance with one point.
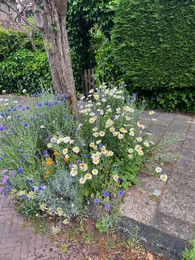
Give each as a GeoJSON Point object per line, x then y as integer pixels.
{"type": "Point", "coordinates": [50, 18]}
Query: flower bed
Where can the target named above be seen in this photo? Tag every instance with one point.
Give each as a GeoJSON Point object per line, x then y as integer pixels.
{"type": "Point", "coordinates": [52, 164]}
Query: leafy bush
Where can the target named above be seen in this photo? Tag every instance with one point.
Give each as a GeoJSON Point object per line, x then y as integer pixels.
{"type": "Point", "coordinates": [51, 164]}
{"type": "Point", "coordinates": [11, 41]}
{"type": "Point", "coordinates": [153, 46]}
{"type": "Point", "coordinates": [106, 69]}
{"type": "Point", "coordinates": [24, 69]}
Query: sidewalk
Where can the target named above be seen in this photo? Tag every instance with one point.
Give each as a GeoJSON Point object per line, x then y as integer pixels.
{"type": "Point", "coordinates": [165, 222]}
{"type": "Point", "coordinates": [167, 210]}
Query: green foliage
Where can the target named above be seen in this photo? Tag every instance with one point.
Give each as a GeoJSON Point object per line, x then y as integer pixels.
{"type": "Point", "coordinates": [81, 17]}
{"type": "Point", "coordinates": [189, 254]}
{"type": "Point", "coordinates": [153, 45]}
{"type": "Point", "coordinates": [11, 41]}
{"type": "Point", "coordinates": [179, 99]}
{"type": "Point", "coordinates": [62, 193]}
{"type": "Point", "coordinates": [106, 69]}
{"type": "Point", "coordinates": [24, 69]}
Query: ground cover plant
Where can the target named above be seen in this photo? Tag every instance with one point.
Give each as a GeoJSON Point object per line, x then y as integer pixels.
{"type": "Point", "coordinates": [55, 166]}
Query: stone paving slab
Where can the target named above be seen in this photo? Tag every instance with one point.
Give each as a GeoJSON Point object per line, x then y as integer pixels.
{"type": "Point", "coordinates": [173, 211]}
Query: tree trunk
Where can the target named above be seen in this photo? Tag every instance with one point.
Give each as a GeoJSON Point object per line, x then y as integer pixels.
{"type": "Point", "coordinates": [50, 18]}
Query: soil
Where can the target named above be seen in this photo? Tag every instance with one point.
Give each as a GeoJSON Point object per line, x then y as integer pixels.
{"type": "Point", "coordinates": [84, 242]}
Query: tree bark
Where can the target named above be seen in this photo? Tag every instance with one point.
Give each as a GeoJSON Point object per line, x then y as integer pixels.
{"type": "Point", "coordinates": [50, 18]}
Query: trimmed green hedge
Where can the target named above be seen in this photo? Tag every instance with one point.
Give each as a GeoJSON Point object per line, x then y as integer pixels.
{"type": "Point", "coordinates": [154, 42]}
{"type": "Point", "coordinates": [11, 41]}
{"type": "Point", "coordinates": [24, 70]}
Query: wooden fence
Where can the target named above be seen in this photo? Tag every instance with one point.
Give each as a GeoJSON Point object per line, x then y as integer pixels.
{"type": "Point", "coordinates": [88, 78]}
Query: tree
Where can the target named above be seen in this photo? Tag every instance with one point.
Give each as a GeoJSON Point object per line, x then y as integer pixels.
{"type": "Point", "coordinates": [50, 18]}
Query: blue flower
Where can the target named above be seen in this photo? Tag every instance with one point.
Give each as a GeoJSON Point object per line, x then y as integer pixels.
{"type": "Point", "coordinates": [119, 179]}
{"type": "Point", "coordinates": [115, 168]}
{"type": "Point", "coordinates": [40, 188]}
{"type": "Point", "coordinates": [25, 125]}
{"type": "Point", "coordinates": [39, 105]}
{"type": "Point", "coordinates": [20, 170]}
{"type": "Point", "coordinates": [33, 95]}
{"type": "Point", "coordinates": [32, 188]}
{"type": "Point", "coordinates": [107, 208]}
{"type": "Point", "coordinates": [97, 200]}
{"type": "Point", "coordinates": [106, 194]}
{"type": "Point", "coordinates": [23, 196]}
{"type": "Point", "coordinates": [120, 193]}
{"type": "Point", "coordinates": [29, 181]}
{"type": "Point", "coordinates": [8, 188]}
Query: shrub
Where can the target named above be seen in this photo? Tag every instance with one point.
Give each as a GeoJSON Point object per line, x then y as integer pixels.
{"type": "Point", "coordinates": [11, 41]}
{"type": "Point", "coordinates": [106, 69]}
{"type": "Point", "coordinates": [24, 69]}
{"type": "Point", "coordinates": [51, 164]}
{"type": "Point", "coordinates": [153, 46]}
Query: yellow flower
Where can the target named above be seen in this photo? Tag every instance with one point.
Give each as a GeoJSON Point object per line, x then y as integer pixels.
{"type": "Point", "coordinates": [88, 176]}
{"type": "Point", "coordinates": [120, 136]}
{"type": "Point", "coordinates": [131, 133]}
{"type": "Point", "coordinates": [163, 177]}
{"type": "Point", "coordinates": [139, 139]}
{"type": "Point", "coordinates": [138, 148]}
{"type": "Point", "coordinates": [82, 180]}
{"type": "Point", "coordinates": [91, 144]}
{"type": "Point", "coordinates": [115, 178]}
{"type": "Point", "coordinates": [123, 130]}
{"type": "Point", "coordinates": [146, 144]}
{"type": "Point", "coordinates": [59, 212]}
{"type": "Point", "coordinates": [110, 153]}
{"type": "Point", "coordinates": [65, 221]}
{"type": "Point", "coordinates": [47, 172]}
{"type": "Point", "coordinates": [96, 161]}
{"type": "Point", "coordinates": [73, 172]}
{"type": "Point", "coordinates": [66, 159]}
{"type": "Point", "coordinates": [130, 150]}
{"type": "Point", "coordinates": [95, 156]}
{"type": "Point", "coordinates": [94, 171]}
{"type": "Point", "coordinates": [96, 134]}
{"type": "Point", "coordinates": [151, 113]}
{"type": "Point", "coordinates": [115, 133]}
{"type": "Point", "coordinates": [49, 162]}
{"type": "Point", "coordinates": [158, 169]}
{"type": "Point", "coordinates": [76, 149]}
{"type": "Point", "coordinates": [112, 129]}
{"type": "Point", "coordinates": [83, 166]}
{"type": "Point", "coordinates": [43, 206]}
{"type": "Point", "coordinates": [65, 151]}
{"type": "Point", "coordinates": [98, 142]}
{"type": "Point", "coordinates": [56, 154]}
{"type": "Point", "coordinates": [141, 152]}
{"type": "Point", "coordinates": [102, 133]}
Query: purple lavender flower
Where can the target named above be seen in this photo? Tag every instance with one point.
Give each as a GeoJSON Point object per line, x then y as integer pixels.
{"type": "Point", "coordinates": [100, 145]}
{"type": "Point", "coordinates": [107, 208]}
{"type": "Point", "coordinates": [5, 179]}
{"type": "Point", "coordinates": [14, 174]}
{"type": "Point", "coordinates": [4, 171]}
{"type": "Point", "coordinates": [1, 189]}
{"type": "Point", "coordinates": [71, 165]}
{"type": "Point", "coordinates": [78, 161]}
